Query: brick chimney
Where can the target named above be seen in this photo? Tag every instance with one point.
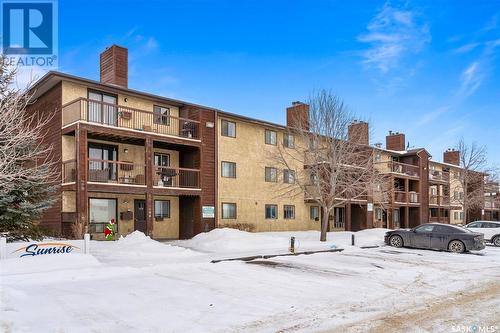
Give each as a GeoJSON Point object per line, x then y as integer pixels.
{"type": "Point", "coordinates": [358, 132]}
{"type": "Point", "coordinates": [114, 66]}
{"type": "Point", "coordinates": [451, 156]}
{"type": "Point", "coordinates": [395, 141]}
{"type": "Point", "coordinates": [297, 115]}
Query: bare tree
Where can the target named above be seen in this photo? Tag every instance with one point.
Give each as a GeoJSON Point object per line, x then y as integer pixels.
{"type": "Point", "coordinates": [27, 167]}
{"type": "Point", "coordinates": [471, 178]}
{"type": "Point", "coordinates": [323, 165]}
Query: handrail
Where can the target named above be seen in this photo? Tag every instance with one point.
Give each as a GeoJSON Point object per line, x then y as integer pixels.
{"type": "Point", "coordinates": [124, 107]}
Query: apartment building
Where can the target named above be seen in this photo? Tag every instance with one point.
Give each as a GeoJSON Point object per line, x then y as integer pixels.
{"type": "Point", "coordinates": [173, 169]}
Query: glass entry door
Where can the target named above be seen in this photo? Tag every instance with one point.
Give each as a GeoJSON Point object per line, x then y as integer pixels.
{"type": "Point", "coordinates": [101, 166]}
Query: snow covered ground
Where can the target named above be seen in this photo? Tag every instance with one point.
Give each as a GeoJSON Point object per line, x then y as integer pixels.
{"type": "Point", "coordinates": [139, 285]}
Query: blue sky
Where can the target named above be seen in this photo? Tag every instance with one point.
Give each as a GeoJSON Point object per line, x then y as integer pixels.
{"type": "Point", "coordinates": [429, 69]}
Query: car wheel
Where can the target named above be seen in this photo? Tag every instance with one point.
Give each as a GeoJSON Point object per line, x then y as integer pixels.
{"type": "Point", "coordinates": [396, 241]}
{"type": "Point", "coordinates": [496, 241]}
{"type": "Point", "coordinates": [456, 246]}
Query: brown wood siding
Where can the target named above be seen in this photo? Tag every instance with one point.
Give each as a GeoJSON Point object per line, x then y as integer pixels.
{"type": "Point", "coordinates": [207, 162]}
{"type": "Point", "coordinates": [424, 186]}
{"type": "Point", "coordinates": [46, 105]}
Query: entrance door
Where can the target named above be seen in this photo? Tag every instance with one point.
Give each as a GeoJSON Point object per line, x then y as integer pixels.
{"type": "Point", "coordinates": [140, 223]}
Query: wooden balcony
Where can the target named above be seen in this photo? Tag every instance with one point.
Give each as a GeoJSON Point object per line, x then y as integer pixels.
{"type": "Point", "coordinates": [439, 200]}
{"type": "Point", "coordinates": [83, 109]}
{"type": "Point", "coordinates": [400, 169]}
{"type": "Point", "coordinates": [106, 171]}
{"type": "Point", "coordinates": [439, 176]}
{"type": "Point", "coordinates": [176, 177]}
{"type": "Point", "coordinates": [403, 197]}
{"type": "Point", "coordinates": [114, 172]}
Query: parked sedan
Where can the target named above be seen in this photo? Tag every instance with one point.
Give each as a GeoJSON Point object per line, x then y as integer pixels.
{"type": "Point", "coordinates": [436, 236]}
{"type": "Point", "coordinates": [490, 230]}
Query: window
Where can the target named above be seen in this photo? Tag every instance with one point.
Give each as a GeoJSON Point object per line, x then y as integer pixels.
{"type": "Point", "coordinates": [313, 143]}
{"type": "Point", "coordinates": [271, 211]}
{"type": "Point", "coordinates": [338, 213]}
{"type": "Point", "coordinates": [102, 108]}
{"type": "Point", "coordinates": [289, 212]}
{"type": "Point", "coordinates": [162, 209]}
{"type": "Point", "coordinates": [288, 176]}
{"type": "Point", "coordinates": [162, 159]}
{"type": "Point", "coordinates": [378, 214]}
{"type": "Point", "coordinates": [271, 174]}
{"type": "Point", "coordinates": [455, 195]}
{"type": "Point", "coordinates": [461, 216]}
{"type": "Point", "coordinates": [228, 129]}
{"type": "Point", "coordinates": [288, 140]}
{"type": "Point", "coordinates": [314, 213]}
{"type": "Point", "coordinates": [313, 179]}
{"type": "Point", "coordinates": [228, 169]}
{"type": "Point", "coordinates": [455, 215]}
{"type": "Point", "coordinates": [434, 212]}
{"type": "Point", "coordinates": [377, 157]}
{"type": "Point", "coordinates": [101, 211]}
{"type": "Point", "coordinates": [161, 115]}
{"type": "Point", "coordinates": [228, 210]}
{"type": "Point", "coordinates": [425, 228]}
{"type": "Point", "coordinates": [270, 137]}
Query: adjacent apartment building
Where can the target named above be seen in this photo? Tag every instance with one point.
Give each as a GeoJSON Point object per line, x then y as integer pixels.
{"type": "Point", "coordinates": [173, 169]}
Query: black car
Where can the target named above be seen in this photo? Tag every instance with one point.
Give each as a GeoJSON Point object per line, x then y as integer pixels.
{"type": "Point", "coordinates": [436, 236]}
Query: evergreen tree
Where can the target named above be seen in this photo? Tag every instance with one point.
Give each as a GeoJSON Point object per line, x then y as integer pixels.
{"type": "Point", "coordinates": [28, 175]}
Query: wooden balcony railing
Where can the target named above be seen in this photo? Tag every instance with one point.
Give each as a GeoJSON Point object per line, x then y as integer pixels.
{"type": "Point", "coordinates": [406, 197]}
{"type": "Point", "coordinates": [491, 204]}
{"type": "Point", "coordinates": [439, 176]}
{"type": "Point", "coordinates": [68, 171]}
{"type": "Point", "coordinates": [106, 171]}
{"type": "Point", "coordinates": [439, 200]}
{"type": "Point", "coordinates": [125, 117]}
{"type": "Point", "coordinates": [400, 168]}
{"type": "Point", "coordinates": [176, 177]}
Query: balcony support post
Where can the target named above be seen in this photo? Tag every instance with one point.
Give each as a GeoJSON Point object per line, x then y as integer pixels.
{"type": "Point", "coordinates": [348, 216]}
{"type": "Point", "coordinates": [81, 177]}
{"type": "Point", "coordinates": [148, 158]}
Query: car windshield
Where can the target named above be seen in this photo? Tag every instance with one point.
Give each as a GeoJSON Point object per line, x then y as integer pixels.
{"type": "Point", "coordinates": [459, 229]}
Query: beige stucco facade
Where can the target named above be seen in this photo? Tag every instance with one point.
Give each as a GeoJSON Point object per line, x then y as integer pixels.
{"type": "Point", "coordinates": [249, 190]}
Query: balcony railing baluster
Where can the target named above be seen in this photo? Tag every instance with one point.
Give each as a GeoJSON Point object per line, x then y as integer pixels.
{"type": "Point", "coordinates": [124, 117]}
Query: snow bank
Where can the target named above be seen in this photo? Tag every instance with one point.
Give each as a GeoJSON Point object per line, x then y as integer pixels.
{"type": "Point", "coordinates": [228, 240]}
{"type": "Point", "coordinates": [138, 249]}
{"type": "Point", "coordinates": [232, 240]}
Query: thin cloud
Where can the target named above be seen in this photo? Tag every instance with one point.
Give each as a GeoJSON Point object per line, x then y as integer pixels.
{"type": "Point", "coordinates": [392, 34]}
{"type": "Point", "coordinates": [470, 79]}
{"type": "Point", "coordinates": [429, 117]}
{"type": "Point", "coordinates": [466, 48]}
